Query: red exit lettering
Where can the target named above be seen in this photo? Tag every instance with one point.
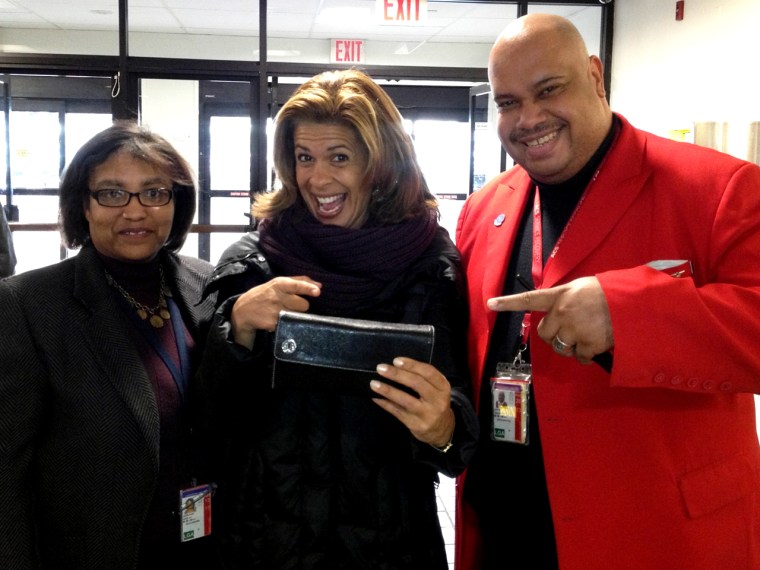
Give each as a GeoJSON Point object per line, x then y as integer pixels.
{"type": "Point", "coordinates": [348, 51]}
{"type": "Point", "coordinates": [405, 10]}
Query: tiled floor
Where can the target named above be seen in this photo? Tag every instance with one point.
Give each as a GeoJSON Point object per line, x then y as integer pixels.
{"type": "Point", "coordinates": [446, 511]}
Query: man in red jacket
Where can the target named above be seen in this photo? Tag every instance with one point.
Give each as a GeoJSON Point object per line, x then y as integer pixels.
{"type": "Point", "coordinates": [628, 439]}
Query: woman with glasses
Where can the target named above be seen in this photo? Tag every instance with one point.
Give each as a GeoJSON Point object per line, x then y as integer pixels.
{"type": "Point", "coordinates": [97, 353]}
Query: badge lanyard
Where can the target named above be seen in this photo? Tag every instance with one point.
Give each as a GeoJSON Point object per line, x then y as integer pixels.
{"type": "Point", "coordinates": [511, 386]}
{"type": "Point", "coordinates": [537, 263]}
{"type": "Point", "coordinates": [182, 374]}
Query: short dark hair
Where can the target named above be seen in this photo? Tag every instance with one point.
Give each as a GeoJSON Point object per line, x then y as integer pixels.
{"type": "Point", "coordinates": [352, 99]}
{"type": "Point", "coordinates": [143, 144]}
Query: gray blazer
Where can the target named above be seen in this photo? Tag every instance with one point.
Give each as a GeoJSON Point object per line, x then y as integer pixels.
{"type": "Point", "coordinates": [79, 425]}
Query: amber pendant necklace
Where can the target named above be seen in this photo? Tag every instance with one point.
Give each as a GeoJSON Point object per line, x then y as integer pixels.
{"type": "Point", "coordinates": [157, 315]}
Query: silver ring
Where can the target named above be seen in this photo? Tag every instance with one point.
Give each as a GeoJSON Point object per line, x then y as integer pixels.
{"type": "Point", "coordinates": [561, 347]}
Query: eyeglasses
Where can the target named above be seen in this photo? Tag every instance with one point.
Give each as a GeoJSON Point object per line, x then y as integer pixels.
{"type": "Point", "coordinates": [118, 198]}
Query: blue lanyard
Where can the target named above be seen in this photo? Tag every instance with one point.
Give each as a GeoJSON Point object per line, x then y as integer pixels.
{"type": "Point", "coordinates": [181, 376]}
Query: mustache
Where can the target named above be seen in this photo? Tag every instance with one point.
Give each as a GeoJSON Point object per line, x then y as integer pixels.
{"type": "Point", "coordinates": [539, 130]}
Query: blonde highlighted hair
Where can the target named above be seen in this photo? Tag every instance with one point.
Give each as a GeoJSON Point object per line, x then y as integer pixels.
{"type": "Point", "coordinates": [352, 99]}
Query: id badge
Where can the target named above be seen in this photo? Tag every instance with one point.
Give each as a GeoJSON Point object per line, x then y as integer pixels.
{"type": "Point", "coordinates": [510, 396]}
{"type": "Point", "coordinates": [195, 509]}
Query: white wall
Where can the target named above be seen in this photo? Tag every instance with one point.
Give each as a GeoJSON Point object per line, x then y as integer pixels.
{"type": "Point", "coordinates": [170, 107]}
{"type": "Point", "coordinates": [667, 75]}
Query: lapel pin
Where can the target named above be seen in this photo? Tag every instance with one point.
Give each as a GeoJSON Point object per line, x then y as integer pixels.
{"type": "Point", "coordinates": [498, 220]}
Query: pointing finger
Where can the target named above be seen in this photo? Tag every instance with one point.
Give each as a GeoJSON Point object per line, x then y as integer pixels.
{"type": "Point", "coordinates": [539, 300]}
{"type": "Point", "coordinates": [298, 286]}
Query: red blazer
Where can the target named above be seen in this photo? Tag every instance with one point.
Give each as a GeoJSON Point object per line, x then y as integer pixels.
{"type": "Point", "coordinates": [656, 465]}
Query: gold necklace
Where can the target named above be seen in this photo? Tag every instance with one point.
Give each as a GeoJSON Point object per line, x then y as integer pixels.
{"type": "Point", "coordinates": [157, 315]}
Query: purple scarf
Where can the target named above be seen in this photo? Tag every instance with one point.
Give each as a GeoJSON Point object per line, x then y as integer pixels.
{"type": "Point", "coordinates": [353, 265]}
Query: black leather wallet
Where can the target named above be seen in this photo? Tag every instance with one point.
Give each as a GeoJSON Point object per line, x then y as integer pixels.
{"type": "Point", "coordinates": [314, 352]}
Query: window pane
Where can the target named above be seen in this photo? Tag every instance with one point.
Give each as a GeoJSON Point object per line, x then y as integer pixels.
{"type": "Point", "coordinates": [231, 211]}
{"type": "Point", "coordinates": [36, 249]}
{"type": "Point", "coordinates": [229, 168]}
{"type": "Point", "coordinates": [230, 153]}
{"type": "Point", "coordinates": [190, 247]}
{"type": "Point", "coordinates": [227, 211]}
{"type": "Point", "coordinates": [81, 127]}
{"type": "Point", "coordinates": [37, 209]}
{"type": "Point", "coordinates": [443, 151]}
{"type": "Point", "coordinates": [35, 149]}
{"type": "Point", "coordinates": [219, 242]}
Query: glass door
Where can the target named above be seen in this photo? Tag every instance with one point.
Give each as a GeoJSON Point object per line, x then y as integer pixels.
{"type": "Point", "coordinates": [225, 164]}
{"type": "Point", "coordinates": [487, 156]}
{"type": "Point", "coordinates": [48, 120]}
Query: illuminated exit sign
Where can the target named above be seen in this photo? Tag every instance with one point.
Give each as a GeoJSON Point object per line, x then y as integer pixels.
{"type": "Point", "coordinates": [347, 51]}
{"type": "Point", "coordinates": [401, 11]}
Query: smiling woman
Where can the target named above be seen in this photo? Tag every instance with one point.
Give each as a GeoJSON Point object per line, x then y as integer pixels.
{"type": "Point", "coordinates": [330, 173]}
{"type": "Point", "coordinates": [122, 227]}
{"type": "Point", "coordinates": [97, 354]}
{"type": "Point", "coordinates": [353, 232]}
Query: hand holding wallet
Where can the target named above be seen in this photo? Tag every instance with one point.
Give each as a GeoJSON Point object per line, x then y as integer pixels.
{"type": "Point", "coordinates": [313, 352]}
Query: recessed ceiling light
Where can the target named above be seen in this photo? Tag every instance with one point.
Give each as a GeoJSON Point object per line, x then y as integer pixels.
{"type": "Point", "coordinates": [17, 48]}
{"type": "Point", "coordinates": [344, 14]}
{"type": "Point", "coordinates": [279, 53]}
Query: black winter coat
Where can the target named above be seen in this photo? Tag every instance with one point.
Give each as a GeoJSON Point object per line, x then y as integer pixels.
{"type": "Point", "coordinates": [315, 480]}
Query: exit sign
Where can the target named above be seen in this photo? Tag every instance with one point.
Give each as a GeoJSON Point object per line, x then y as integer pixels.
{"type": "Point", "coordinates": [347, 51]}
{"type": "Point", "coordinates": [401, 11]}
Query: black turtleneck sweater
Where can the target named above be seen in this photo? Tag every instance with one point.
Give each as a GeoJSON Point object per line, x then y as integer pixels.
{"type": "Point", "coordinates": [509, 491]}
